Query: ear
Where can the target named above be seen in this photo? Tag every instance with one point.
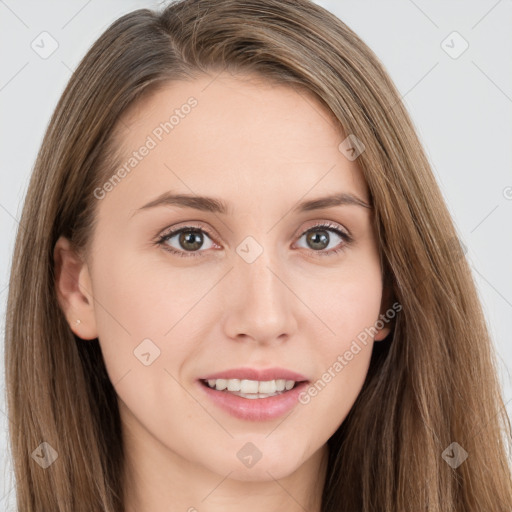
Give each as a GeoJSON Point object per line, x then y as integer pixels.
{"type": "Point", "coordinates": [74, 290]}
{"type": "Point", "coordinates": [387, 297]}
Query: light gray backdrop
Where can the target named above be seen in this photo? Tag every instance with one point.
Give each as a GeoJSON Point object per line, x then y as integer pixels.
{"type": "Point", "coordinates": [451, 61]}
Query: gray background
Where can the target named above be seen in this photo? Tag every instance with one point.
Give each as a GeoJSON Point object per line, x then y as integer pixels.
{"type": "Point", "coordinates": [461, 107]}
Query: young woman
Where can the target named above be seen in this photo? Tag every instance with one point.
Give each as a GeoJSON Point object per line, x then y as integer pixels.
{"type": "Point", "coordinates": [237, 285]}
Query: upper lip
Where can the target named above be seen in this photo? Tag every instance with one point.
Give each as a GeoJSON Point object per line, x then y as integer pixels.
{"type": "Point", "coordinates": [257, 374]}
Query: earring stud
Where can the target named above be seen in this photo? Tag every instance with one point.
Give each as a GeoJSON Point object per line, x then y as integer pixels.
{"type": "Point", "coordinates": [77, 321]}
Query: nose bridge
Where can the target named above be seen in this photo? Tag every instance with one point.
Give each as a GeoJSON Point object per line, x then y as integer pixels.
{"type": "Point", "coordinates": [256, 270]}
{"type": "Point", "coordinates": [259, 276]}
{"type": "Point", "coordinates": [260, 305]}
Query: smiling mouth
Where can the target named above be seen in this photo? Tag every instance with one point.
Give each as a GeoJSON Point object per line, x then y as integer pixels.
{"type": "Point", "coordinates": [251, 389]}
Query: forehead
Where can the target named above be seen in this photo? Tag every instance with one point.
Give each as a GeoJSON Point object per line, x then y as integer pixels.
{"type": "Point", "coordinates": [233, 136]}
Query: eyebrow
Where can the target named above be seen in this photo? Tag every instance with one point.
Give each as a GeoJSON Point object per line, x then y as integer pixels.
{"type": "Point", "coordinates": [214, 205]}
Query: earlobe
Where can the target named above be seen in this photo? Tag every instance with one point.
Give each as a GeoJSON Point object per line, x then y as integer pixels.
{"type": "Point", "coordinates": [383, 319]}
{"type": "Point", "coordinates": [74, 289]}
{"type": "Point", "coordinates": [382, 334]}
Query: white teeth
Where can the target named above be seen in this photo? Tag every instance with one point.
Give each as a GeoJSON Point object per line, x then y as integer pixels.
{"type": "Point", "coordinates": [234, 385]}
{"type": "Point", "coordinates": [289, 384]}
{"type": "Point", "coordinates": [245, 386]}
{"type": "Point", "coordinates": [219, 384]}
{"type": "Point", "coordinates": [250, 386]}
{"type": "Point", "coordinates": [268, 386]}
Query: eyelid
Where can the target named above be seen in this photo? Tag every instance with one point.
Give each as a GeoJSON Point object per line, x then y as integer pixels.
{"type": "Point", "coordinates": [324, 223]}
{"type": "Point", "coordinates": [300, 231]}
{"type": "Point", "coordinates": [188, 224]}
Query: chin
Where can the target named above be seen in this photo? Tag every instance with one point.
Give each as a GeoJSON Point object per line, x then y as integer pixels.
{"type": "Point", "coordinates": [261, 472]}
{"type": "Point", "coordinates": [273, 465]}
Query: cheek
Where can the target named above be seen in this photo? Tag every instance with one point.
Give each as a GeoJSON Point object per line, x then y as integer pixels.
{"type": "Point", "coordinates": [141, 307]}
{"type": "Point", "coordinates": [129, 310]}
{"type": "Point", "coordinates": [347, 301]}
{"type": "Point", "coordinates": [132, 296]}
{"type": "Point", "coordinates": [343, 360]}
{"type": "Point", "coordinates": [348, 305]}
{"type": "Point", "coordinates": [332, 395]}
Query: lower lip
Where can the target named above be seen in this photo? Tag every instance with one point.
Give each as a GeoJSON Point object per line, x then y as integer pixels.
{"type": "Point", "coordinates": [258, 409]}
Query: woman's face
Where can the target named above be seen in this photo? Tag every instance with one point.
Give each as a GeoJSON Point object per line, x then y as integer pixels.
{"type": "Point", "coordinates": [256, 286]}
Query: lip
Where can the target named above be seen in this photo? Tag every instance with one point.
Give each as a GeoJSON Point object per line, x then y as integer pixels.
{"type": "Point", "coordinates": [257, 374]}
{"type": "Point", "coordinates": [258, 409]}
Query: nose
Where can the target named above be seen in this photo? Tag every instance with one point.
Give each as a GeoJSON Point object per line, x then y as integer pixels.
{"type": "Point", "coordinates": [259, 303]}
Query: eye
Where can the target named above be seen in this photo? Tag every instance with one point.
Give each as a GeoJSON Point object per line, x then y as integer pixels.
{"type": "Point", "coordinates": [188, 240]}
{"type": "Point", "coordinates": [318, 238]}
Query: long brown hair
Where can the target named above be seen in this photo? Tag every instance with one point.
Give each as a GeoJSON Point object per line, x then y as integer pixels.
{"type": "Point", "coordinates": [431, 383]}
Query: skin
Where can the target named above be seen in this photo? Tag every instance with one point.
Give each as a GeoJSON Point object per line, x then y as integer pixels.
{"type": "Point", "coordinates": [261, 148]}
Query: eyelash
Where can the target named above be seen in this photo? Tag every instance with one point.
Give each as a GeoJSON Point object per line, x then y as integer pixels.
{"type": "Point", "coordinates": [162, 239]}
